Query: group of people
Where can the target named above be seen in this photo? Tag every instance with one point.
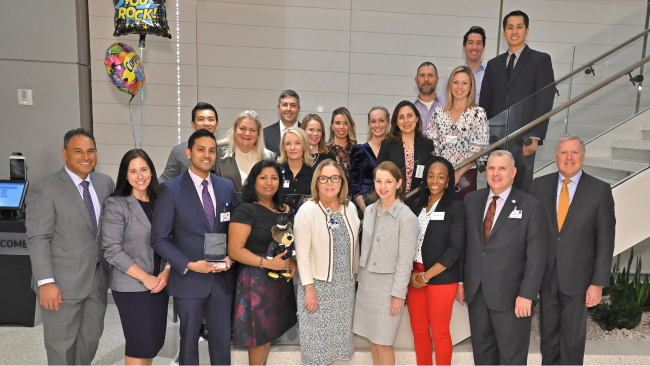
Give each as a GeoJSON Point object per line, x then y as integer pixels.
{"type": "Point", "coordinates": [362, 249]}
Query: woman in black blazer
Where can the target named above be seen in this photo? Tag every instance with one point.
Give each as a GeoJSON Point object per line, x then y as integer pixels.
{"type": "Point", "coordinates": [437, 268]}
{"type": "Point", "coordinates": [405, 145]}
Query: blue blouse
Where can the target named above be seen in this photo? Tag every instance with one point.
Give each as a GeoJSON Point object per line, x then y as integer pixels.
{"type": "Point", "coordinates": [362, 162]}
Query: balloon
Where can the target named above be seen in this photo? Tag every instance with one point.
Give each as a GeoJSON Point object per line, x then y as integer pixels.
{"type": "Point", "coordinates": [141, 17]}
{"type": "Point", "coordinates": [124, 68]}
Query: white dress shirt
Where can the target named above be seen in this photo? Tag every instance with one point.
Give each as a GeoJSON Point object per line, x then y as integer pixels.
{"type": "Point", "coordinates": [572, 186]}
{"type": "Point", "coordinates": [517, 55]}
{"type": "Point", "coordinates": [198, 184]}
{"type": "Point", "coordinates": [500, 202]}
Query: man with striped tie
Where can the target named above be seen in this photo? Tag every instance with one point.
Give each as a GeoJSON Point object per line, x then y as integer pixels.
{"type": "Point", "coordinates": [581, 224]}
{"type": "Point", "coordinates": [505, 257]}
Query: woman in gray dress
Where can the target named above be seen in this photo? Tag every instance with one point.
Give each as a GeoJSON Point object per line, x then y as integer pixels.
{"type": "Point", "coordinates": [390, 232]}
{"type": "Point", "coordinates": [327, 246]}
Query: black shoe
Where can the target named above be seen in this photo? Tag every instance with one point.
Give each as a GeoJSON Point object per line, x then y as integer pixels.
{"type": "Point", "coordinates": [204, 332]}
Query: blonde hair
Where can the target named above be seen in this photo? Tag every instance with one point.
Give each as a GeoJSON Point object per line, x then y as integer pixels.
{"type": "Point", "coordinates": [304, 141]}
{"type": "Point", "coordinates": [379, 108]}
{"type": "Point", "coordinates": [352, 135]}
{"type": "Point", "coordinates": [471, 98]}
{"type": "Point", "coordinates": [260, 151]}
{"type": "Point", "coordinates": [322, 148]}
{"type": "Point", "coordinates": [343, 193]}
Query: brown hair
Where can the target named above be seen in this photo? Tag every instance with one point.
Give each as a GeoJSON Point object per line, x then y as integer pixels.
{"type": "Point", "coordinates": [471, 98]}
{"type": "Point", "coordinates": [343, 193]}
{"type": "Point", "coordinates": [303, 125]}
{"type": "Point", "coordinates": [352, 134]}
{"type": "Point", "coordinates": [395, 133]}
{"type": "Point", "coordinates": [390, 167]}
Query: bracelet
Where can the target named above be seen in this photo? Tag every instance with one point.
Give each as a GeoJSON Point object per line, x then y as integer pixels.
{"type": "Point", "coordinates": [168, 266]}
{"type": "Point", "coordinates": [309, 286]}
{"type": "Point", "coordinates": [261, 260]}
{"type": "Point", "coordinates": [425, 280]}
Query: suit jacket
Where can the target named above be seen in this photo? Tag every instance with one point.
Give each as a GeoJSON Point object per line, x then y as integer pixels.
{"type": "Point", "coordinates": [532, 73]}
{"type": "Point", "coordinates": [583, 250]}
{"type": "Point", "coordinates": [362, 163]}
{"type": "Point", "coordinates": [60, 237]}
{"type": "Point", "coordinates": [444, 242]}
{"type": "Point", "coordinates": [126, 238]}
{"type": "Point", "coordinates": [177, 163]}
{"type": "Point", "coordinates": [272, 137]}
{"type": "Point", "coordinates": [394, 151]}
{"type": "Point", "coordinates": [178, 232]}
{"type": "Point", "coordinates": [511, 263]}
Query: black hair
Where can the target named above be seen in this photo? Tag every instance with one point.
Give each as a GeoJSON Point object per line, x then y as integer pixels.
{"type": "Point", "coordinates": [123, 187]}
{"type": "Point", "coordinates": [248, 191]}
{"type": "Point", "coordinates": [426, 63]}
{"type": "Point", "coordinates": [77, 131]}
{"type": "Point", "coordinates": [450, 190]}
{"type": "Point", "coordinates": [475, 29]}
{"type": "Point", "coordinates": [198, 134]}
{"type": "Point", "coordinates": [516, 13]}
{"type": "Point", "coordinates": [203, 105]}
{"type": "Point", "coordinates": [288, 93]}
{"type": "Point", "coordinates": [395, 133]}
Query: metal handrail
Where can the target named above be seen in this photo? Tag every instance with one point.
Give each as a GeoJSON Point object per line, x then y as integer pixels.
{"type": "Point", "coordinates": [544, 117]}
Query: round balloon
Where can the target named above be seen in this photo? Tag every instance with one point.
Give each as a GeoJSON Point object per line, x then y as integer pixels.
{"type": "Point", "coordinates": [124, 67]}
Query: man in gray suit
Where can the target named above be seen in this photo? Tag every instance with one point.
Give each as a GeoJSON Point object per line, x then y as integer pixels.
{"type": "Point", "coordinates": [505, 257]}
{"type": "Point", "coordinates": [581, 223]}
{"type": "Point", "coordinates": [204, 116]}
{"type": "Point", "coordinates": [71, 275]}
{"type": "Point", "coordinates": [288, 108]}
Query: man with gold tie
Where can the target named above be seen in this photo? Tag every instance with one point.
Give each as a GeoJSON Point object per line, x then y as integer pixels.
{"type": "Point", "coordinates": [581, 224]}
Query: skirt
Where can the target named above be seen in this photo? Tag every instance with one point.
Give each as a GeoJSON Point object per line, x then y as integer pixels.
{"type": "Point", "coordinates": [264, 308]}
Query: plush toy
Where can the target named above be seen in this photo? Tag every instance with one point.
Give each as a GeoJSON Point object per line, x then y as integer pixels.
{"type": "Point", "coordinates": [282, 241]}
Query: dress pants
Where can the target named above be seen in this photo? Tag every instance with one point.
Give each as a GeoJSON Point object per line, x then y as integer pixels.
{"type": "Point", "coordinates": [72, 333]}
{"type": "Point", "coordinates": [563, 325]}
{"type": "Point", "coordinates": [525, 166]}
{"type": "Point", "coordinates": [498, 337]}
{"type": "Point", "coordinates": [217, 307]}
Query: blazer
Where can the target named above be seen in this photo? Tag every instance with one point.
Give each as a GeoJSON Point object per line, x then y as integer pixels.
{"type": "Point", "coordinates": [389, 244]}
{"type": "Point", "coordinates": [444, 242]}
{"type": "Point", "coordinates": [362, 163]}
{"type": "Point", "coordinates": [394, 151]}
{"type": "Point", "coordinates": [226, 166]}
{"type": "Point", "coordinates": [60, 237]}
{"type": "Point", "coordinates": [532, 73]}
{"type": "Point", "coordinates": [511, 263]}
{"type": "Point", "coordinates": [178, 232]}
{"type": "Point", "coordinates": [272, 137]}
{"type": "Point", "coordinates": [583, 250]}
{"type": "Point", "coordinates": [126, 237]}
{"type": "Point", "coordinates": [177, 163]}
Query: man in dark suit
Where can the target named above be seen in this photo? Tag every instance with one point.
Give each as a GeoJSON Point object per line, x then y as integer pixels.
{"type": "Point", "coordinates": [188, 207]}
{"type": "Point", "coordinates": [581, 224]}
{"type": "Point", "coordinates": [70, 272]}
{"type": "Point", "coordinates": [288, 107]}
{"type": "Point", "coordinates": [510, 80]}
{"type": "Point", "coordinates": [505, 257]}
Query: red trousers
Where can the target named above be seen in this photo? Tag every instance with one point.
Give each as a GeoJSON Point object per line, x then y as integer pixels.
{"type": "Point", "coordinates": [430, 311]}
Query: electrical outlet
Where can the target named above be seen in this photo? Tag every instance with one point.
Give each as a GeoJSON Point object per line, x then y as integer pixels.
{"type": "Point", "coordinates": [25, 97]}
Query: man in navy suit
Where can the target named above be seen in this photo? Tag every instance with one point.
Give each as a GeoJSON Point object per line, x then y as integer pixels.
{"type": "Point", "coordinates": [188, 207]}
{"type": "Point", "coordinates": [519, 79]}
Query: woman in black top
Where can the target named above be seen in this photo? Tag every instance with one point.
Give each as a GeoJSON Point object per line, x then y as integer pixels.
{"type": "Point", "coordinates": [264, 308]}
{"type": "Point", "coordinates": [437, 268]}
{"type": "Point", "coordinates": [296, 163]}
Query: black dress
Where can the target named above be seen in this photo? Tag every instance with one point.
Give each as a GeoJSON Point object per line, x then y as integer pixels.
{"type": "Point", "coordinates": [322, 156]}
{"type": "Point", "coordinates": [143, 314]}
{"type": "Point", "coordinates": [294, 187]}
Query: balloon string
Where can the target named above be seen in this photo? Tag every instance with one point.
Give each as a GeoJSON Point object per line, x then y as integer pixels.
{"type": "Point", "coordinates": [142, 97]}
{"type": "Point", "coordinates": [132, 128]}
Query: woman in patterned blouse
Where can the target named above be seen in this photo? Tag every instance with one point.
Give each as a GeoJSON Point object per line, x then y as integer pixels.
{"type": "Point", "coordinates": [343, 138]}
{"type": "Point", "coordinates": [460, 128]}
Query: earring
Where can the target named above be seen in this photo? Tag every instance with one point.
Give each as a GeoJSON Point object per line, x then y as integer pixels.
{"type": "Point", "coordinates": [447, 185]}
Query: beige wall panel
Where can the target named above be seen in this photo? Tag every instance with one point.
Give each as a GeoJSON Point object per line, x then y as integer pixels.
{"type": "Point", "coordinates": [589, 11]}
{"type": "Point", "coordinates": [165, 95]}
{"type": "Point", "coordinates": [112, 154]}
{"type": "Point", "coordinates": [329, 4]}
{"type": "Point", "coordinates": [157, 52]}
{"type": "Point", "coordinates": [121, 134]}
{"type": "Point", "coordinates": [383, 85]}
{"type": "Point", "coordinates": [103, 27]}
{"type": "Point", "coordinates": [152, 115]}
{"type": "Point", "coordinates": [155, 73]}
{"type": "Point", "coordinates": [400, 44]}
{"type": "Point", "coordinates": [461, 8]}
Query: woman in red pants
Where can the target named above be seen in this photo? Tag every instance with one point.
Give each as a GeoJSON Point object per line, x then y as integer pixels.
{"type": "Point", "coordinates": [437, 267]}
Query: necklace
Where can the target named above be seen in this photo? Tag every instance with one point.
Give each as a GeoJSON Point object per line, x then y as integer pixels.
{"type": "Point", "coordinates": [249, 154]}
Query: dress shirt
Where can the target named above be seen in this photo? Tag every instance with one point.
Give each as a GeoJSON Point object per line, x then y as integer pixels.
{"type": "Point", "coordinates": [572, 186]}
{"type": "Point", "coordinates": [423, 219]}
{"type": "Point", "coordinates": [425, 114]}
{"type": "Point", "coordinates": [199, 188]}
{"type": "Point", "coordinates": [500, 202]}
{"type": "Point", "coordinates": [93, 196]}
{"type": "Point", "coordinates": [478, 77]}
{"type": "Point", "coordinates": [517, 55]}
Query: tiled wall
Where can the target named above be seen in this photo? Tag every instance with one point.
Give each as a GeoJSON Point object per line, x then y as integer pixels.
{"type": "Point", "coordinates": [354, 53]}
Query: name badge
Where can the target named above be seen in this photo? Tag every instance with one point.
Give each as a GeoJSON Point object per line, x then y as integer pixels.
{"type": "Point", "coordinates": [515, 214]}
{"type": "Point", "coordinates": [419, 171]}
{"type": "Point", "coordinates": [437, 216]}
{"type": "Point", "coordinates": [225, 216]}
{"type": "Point", "coordinates": [286, 184]}
{"type": "Point", "coordinates": [450, 139]}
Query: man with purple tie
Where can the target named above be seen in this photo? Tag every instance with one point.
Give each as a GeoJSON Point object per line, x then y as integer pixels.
{"type": "Point", "coordinates": [189, 206]}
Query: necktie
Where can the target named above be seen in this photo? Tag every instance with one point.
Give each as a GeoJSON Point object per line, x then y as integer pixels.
{"type": "Point", "coordinates": [489, 218]}
{"type": "Point", "coordinates": [89, 204]}
{"type": "Point", "coordinates": [563, 204]}
{"type": "Point", "coordinates": [208, 207]}
{"type": "Point", "coordinates": [511, 65]}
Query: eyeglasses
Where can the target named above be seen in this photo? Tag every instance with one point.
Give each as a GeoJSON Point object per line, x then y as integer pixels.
{"type": "Point", "coordinates": [323, 179]}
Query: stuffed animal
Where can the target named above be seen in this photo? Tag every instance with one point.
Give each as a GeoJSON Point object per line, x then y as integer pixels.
{"type": "Point", "coordinates": [282, 241]}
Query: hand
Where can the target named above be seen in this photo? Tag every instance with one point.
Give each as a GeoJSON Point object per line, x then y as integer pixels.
{"type": "Point", "coordinates": [277, 263]}
{"type": "Point", "coordinates": [50, 296]}
{"type": "Point", "coordinates": [530, 149]}
{"type": "Point", "coordinates": [222, 266]}
{"type": "Point", "coordinates": [292, 270]}
{"type": "Point", "coordinates": [149, 281]}
{"type": "Point", "coordinates": [594, 295]}
{"type": "Point", "coordinates": [162, 281]}
{"type": "Point", "coordinates": [202, 267]}
{"type": "Point", "coordinates": [522, 307]}
{"type": "Point", "coordinates": [420, 281]}
{"type": "Point", "coordinates": [413, 281]}
{"type": "Point", "coordinates": [311, 301]}
{"type": "Point", "coordinates": [458, 174]}
{"type": "Point", "coordinates": [396, 305]}
{"type": "Point", "coordinates": [460, 294]}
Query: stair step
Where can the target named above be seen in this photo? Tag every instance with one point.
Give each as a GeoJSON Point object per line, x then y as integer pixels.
{"type": "Point", "coordinates": [615, 164]}
{"type": "Point", "coordinates": [631, 144]}
{"type": "Point", "coordinates": [645, 126]}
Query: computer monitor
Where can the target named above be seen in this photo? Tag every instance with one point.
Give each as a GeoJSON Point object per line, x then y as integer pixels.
{"type": "Point", "coordinates": [12, 194]}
